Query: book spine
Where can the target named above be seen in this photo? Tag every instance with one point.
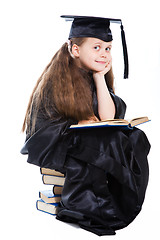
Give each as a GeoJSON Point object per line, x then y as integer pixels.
{"type": "Point", "coordinates": [57, 189]}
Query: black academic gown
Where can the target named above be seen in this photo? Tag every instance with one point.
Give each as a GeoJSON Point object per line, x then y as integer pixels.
{"type": "Point", "coordinates": [106, 170]}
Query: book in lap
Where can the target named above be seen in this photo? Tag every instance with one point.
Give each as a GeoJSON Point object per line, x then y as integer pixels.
{"type": "Point", "coordinates": [113, 123]}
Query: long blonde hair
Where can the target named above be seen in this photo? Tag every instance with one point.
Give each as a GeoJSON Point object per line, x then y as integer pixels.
{"type": "Point", "coordinates": [63, 88]}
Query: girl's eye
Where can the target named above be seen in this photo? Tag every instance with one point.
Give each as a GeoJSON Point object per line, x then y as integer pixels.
{"type": "Point", "coordinates": [108, 49]}
{"type": "Point", "coordinates": [97, 47]}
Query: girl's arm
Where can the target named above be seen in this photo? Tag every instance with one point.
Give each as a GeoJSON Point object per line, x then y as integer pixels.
{"type": "Point", "coordinates": [106, 107]}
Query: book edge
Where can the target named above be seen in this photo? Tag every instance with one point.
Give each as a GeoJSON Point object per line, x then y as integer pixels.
{"type": "Point", "coordinates": [43, 176]}
{"type": "Point", "coordinates": [40, 200]}
{"type": "Point", "coordinates": [110, 123]}
{"type": "Point", "coordinates": [43, 192]}
{"type": "Point", "coordinates": [45, 171]}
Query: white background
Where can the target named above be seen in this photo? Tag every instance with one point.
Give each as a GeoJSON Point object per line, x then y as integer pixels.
{"type": "Point", "coordinates": [30, 33]}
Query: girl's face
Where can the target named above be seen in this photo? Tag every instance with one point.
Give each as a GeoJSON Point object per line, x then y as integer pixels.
{"type": "Point", "coordinates": [94, 54]}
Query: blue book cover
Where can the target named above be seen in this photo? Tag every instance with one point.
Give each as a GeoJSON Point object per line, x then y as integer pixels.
{"type": "Point", "coordinates": [49, 197]}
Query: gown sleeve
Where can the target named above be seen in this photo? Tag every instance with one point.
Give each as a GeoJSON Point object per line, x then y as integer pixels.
{"type": "Point", "coordinates": [47, 147]}
{"type": "Point", "coordinates": [119, 105]}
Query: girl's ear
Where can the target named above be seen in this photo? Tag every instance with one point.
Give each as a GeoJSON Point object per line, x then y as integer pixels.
{"type": "Point", "coordinates": [75, 50]}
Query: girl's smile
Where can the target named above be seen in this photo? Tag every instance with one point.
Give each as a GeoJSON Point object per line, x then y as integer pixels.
{"type": "Point", "coordinates": [101, 62]}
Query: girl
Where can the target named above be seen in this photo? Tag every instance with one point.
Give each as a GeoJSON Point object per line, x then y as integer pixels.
{"type": "Point", "coordinates": [106, 168]}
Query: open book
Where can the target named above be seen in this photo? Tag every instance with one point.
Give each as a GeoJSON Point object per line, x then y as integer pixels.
{"type": "Point", "coordinates": [113, 123]}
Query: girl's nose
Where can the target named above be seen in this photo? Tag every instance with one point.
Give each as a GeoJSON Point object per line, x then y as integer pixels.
{"type": "Point", "coordinates": [104, 53]}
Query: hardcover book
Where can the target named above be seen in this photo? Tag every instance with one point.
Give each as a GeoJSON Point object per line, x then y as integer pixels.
{"type": "Point", "coordinates": [53, 180]}
{"type": "Point", "coordinates": [50, 208]}
{"type": "Point", "coordinates": [53, 172]}
{"type": "Point", "coordinates": [113, 123]}
{"type": "Point", "coordinates": [57, 190]}
{"type": "Point", "coordinates": [48, 196]}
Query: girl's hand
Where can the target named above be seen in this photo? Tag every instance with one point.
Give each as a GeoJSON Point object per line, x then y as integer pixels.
{"type": "Point", "coordinates": [108, 66]}
{"type": "Point", "coordinates": [91, 120]}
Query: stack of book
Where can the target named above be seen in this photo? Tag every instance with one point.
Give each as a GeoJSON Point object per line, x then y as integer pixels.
{"type": "Point", "coordinates": [49, 199]}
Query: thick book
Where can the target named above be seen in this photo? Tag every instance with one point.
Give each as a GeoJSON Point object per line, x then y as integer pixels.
{"type": "Point", "coordinates": [113, 123]}
{"type": "Point", "coordinates": [48, 196]}
{"type": "Point", "coordinates": [53, 180]}
{"type": "Point", "coordinates": [50, 208]}
{"type": "Point", "coordinates": [57, 190]}
{"type": "Point", "coordinates": [53, 172]}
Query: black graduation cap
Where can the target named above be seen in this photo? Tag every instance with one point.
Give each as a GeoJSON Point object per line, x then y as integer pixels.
{"type": "Point", "coordinates": [97, 27]}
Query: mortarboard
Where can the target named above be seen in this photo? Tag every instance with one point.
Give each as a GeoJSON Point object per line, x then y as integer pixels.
{"type": "Point", "coordinates": [97, 27]}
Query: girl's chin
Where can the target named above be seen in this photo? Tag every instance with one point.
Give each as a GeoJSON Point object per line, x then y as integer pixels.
{"type": "Point", "coordinates": [98, 69]}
